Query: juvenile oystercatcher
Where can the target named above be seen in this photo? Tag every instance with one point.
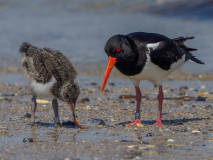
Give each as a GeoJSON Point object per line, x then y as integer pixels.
{"type": "Point", "coordinates": [51, 75]}
{"type": "Point", "coordinates": [146, 56]}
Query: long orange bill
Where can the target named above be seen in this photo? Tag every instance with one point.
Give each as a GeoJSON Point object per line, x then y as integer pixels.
{"type": "Point", "coordinates": [110, 65]}
{"type": "Point", "coordinates": [72, 106]}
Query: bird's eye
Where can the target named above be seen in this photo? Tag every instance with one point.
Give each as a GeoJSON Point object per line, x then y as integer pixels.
{"type": "Point", "coordinates": [118, 49]}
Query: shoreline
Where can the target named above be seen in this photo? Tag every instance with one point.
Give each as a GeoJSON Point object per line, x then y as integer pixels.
{"type": "Point", "coordinates": [176, 75]}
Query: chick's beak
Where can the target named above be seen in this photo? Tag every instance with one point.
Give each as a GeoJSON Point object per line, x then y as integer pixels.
{"type": "Point", "coordinates": [110, 65]}
{"type": "Point", "coordinates": [72, 107]}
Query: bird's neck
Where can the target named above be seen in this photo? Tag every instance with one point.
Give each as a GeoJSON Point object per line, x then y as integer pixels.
{"type": "Point", "coordinates": [132, 65]}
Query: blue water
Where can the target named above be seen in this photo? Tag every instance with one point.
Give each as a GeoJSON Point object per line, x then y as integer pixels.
{"type": "Point", "coordinates": [80, 29]}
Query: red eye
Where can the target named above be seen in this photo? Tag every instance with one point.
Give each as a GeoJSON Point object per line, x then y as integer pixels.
{"type": "Point", "coordinates": [118, 49]}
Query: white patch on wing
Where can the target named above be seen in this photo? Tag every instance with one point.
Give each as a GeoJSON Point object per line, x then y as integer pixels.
{"type": "Point", "coordinates": [154, 73]}
{"type": "Point", "coordinates": [43, 90]}
{"type": "Point", "coordinates": [153, 46]}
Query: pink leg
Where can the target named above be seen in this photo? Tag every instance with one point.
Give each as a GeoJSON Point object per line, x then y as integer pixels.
{"type": "Point", "coordinates": [160, 101]}
{"type": "Point", "coordinates": [137, 115]}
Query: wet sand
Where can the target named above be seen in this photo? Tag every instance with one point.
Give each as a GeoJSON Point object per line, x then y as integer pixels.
{"type": "Point", "coordinates": [186, 133]}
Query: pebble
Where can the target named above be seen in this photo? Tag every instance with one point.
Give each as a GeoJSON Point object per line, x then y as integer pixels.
{"type": "Point", "coordinates": [41, 101]}
{"type": "Point", "coordinates": [5, 98]}
{"type": "Point", "coordinates": [151, 146]}
{"type": "Point", "coordinates": [203, 87]}
{"type": "Point", "coordinates": [14, 118]}
{"type": "Point", "coordinates": [86, 108]}
{"type": "Point", "coordinates": [96, 108]}
{"type": "Point", "coordinates": [4, 94]}
{"type": "Point", "coordinates": [140, 125]}
{"type": "Point", "coordinates": [143, 142]}
{"type": "Point", "coordinates": [99, 121]}
{"type": "Point", "coordinates": [208, 107]}
{"type": "Point", "coordinates": [170, 140]}
{"type": "Point", "coordinates": [114, 120]}
{"type": "Point", "coordinates": [93, 84]}
{"type": "Point", "coordinates": [135, 129]}
{"type": "Point", "coordinates": [184, 88]}
{"type": "Point", "coordinates": [112, 84]}
{"type": "Point", "coordinates": [132, 102]}
{"type": "Point", "coordinates": [165, 113]}
{"type": "Point", "coordinates": [84, 100]}
{"type": "Point", "coordinates": [132, 146]}
{"type": "Point", "coordinates": [185, 105]}
{"type": "Point", "coordinates": [4, 132]}
{"type": "Point", "coordinates": [27, 140]}
{"type": "Point", "coordinates": [123, 140]}
{"type": "Point", "coordinates": [200, 99]}
{"type": "Point", "coordinates": [195, 131]}
{"type": "Point", "coordinates": [150, 134]}
{"type": "Point", "coordinates": [27, 115]}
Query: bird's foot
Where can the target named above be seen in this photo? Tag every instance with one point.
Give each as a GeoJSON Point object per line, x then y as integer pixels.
{"type": "Point", "coordinates": [32, 124]}
{"type": "Point", "coordinates": [136, 122]}
{"type": "Point", "coordinates": [58, 124]}
{"type": "Point", "coordinates": [158, 123]}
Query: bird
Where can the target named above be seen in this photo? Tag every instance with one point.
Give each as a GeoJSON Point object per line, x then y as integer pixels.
{"type": "Point", "coordinates": [50, 75]}
{"type": "Point", "coordinates": [146, 56]}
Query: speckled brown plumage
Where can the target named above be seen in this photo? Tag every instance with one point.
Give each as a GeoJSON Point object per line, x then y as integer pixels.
{"type": "Point", "coordinates": [50, 74]}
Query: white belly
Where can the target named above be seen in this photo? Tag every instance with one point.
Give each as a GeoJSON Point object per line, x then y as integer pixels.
{"type": "Point", "coordinates": [154, 73]}
{"type": "Point", "coordinates": [43, 90]}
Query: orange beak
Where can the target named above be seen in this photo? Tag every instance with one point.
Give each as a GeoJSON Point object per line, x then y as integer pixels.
{"type": "Point", "coordinates": [110, 65]}
{"type": "Point", "coordinates": [72, 106]}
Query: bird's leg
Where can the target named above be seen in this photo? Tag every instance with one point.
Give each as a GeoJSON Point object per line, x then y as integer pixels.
{"type": "Point", "coordinates": [137, 114]}
{"type": "Point", "coordinates": [33, 110]}
{"type": "Point", "coordinates": [160, 101]}
{"type": "Point", "coordinates": [55, 109]}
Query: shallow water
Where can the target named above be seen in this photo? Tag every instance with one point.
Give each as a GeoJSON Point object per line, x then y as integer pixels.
{"type": "Point", "coordinates": [81, 29]}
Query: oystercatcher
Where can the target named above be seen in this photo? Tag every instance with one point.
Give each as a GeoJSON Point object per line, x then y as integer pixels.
{"type": "Point", "coordinates": [146, 56]}
{"type": "Point", "coordinates": [51, 75]}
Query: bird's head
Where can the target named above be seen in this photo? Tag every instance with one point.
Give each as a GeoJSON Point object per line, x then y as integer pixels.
{"type": "Point", "coordinates": [70, 93]}
{"type": "Point", "coordinates": [121, 53]}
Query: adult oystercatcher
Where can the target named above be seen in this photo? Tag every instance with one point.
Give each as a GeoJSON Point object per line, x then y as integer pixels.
{"type": "Point", "coordinates": [51, 75]}
{"type": "Point", "coordinates": [146, 56]}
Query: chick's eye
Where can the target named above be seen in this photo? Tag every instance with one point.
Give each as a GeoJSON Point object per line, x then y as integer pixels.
{"type": "Point", "coordinates": [118, 49]}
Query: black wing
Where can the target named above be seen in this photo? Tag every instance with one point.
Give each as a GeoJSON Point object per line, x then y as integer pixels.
{"type": "Point", "coordinates": [164, 55]}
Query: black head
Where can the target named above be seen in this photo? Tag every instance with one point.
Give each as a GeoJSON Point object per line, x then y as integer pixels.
{"type": "Point", "coordinates": [121, 47]}
{"type": "Point", "coordinates": [123, 53]}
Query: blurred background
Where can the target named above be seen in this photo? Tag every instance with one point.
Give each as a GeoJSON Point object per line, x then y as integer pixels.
{"type": "Point", "coordinates": [80, 29]}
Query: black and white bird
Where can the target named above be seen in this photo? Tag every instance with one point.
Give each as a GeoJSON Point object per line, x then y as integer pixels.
{"type": "Point", "coordinates": [51, 75]}
{"type": "Point", "coordinates": [146, 56]}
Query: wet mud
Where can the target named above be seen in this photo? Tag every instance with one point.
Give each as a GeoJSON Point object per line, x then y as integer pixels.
{"type": "Point", "coordinates": [186, 132]}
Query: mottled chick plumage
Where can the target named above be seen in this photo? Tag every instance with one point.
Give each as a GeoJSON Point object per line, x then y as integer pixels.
{"type": "Point", "coordinates": [50, 74]}
{"type": "Point", "coordinates": [50, 67]}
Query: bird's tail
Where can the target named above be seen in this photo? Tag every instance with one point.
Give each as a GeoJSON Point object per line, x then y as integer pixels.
{"type": "Point", "coordinates": [28, 49]}
{"type": "Point", "coordinates": [189, 57]}
{"type": "Point", "coordinates": [195, 60]}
